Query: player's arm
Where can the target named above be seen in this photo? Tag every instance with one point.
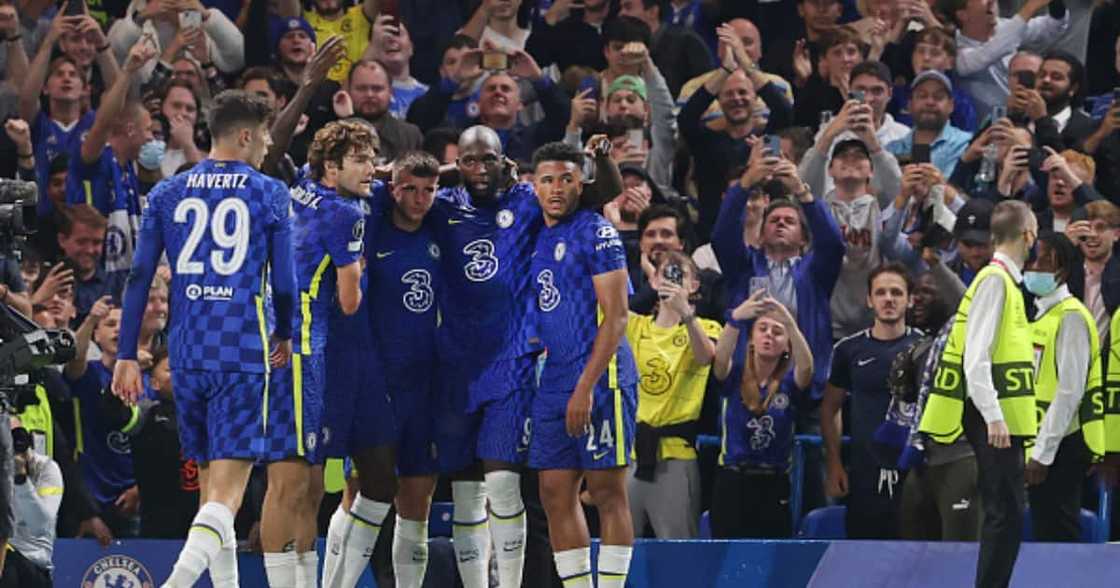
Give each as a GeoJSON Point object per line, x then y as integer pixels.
{"type": "Point", "coordinates": [611, 291]}
{"type": "Point", "coordinates": [344, 244]}
{"type": "Point", "coordinates": [350, 287]}
{"type": "Point", "coordinates": [283, 277]}
{"type": "Point", "coordinates": [149, 249]}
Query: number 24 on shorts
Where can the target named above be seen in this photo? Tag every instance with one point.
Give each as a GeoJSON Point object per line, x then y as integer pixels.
{"type": "Point", "coordinates": [603, 439]}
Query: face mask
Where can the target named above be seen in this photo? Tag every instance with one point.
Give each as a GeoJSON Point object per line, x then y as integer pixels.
{"type": "Point", "coordinates": [151, 154]}
{"type": "Point", "coordinates": [1040, 283]}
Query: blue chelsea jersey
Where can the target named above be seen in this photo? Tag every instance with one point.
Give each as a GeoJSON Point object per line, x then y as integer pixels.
{"type": "Point", "coordinates": [484, 258]}
{"type": "Point", "coordinates": [566, 315]}
{"type": "Point", "coordinates": [218, 224]}
{"type": "Point", "coordinates": [404, 273]}
{"type": "Point", "coordinates": [327, 232]}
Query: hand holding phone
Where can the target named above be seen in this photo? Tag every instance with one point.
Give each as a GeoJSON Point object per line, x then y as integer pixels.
{"type": "Point", "coordinates": [190, 19]}
{"type": "Point", "coordinates": [920, 153]}
{"type": "Point", "coordinates": [494, 60]}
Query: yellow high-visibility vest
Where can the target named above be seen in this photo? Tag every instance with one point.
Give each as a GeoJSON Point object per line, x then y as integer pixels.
{"type": "Point", "coordinates": [1090, 415]}
{"type": "Point", "coordinates": [1012, 366]}
{"type": "Point", "coordinates": [1112, 388]}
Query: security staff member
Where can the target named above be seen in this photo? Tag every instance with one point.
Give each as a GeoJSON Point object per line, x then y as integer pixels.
{"type": "Point", "coordinates": [1112, 395]}
{"type": "Point", "coordinates": [984, 388]}
{"type": "Point", "coordinates": [1068, 393]}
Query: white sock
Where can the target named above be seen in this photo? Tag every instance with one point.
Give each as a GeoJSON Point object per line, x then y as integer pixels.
{"type": "Point", "coordinates": [212, 528]}
{"type": "Point", "coordinates": [307, 569]}
{"type": "Point", "coordinates": [574, 567]}
{"type": "Point", "coordinates": [410, 552]}
{"type": "Point", "coordinates": [508, 525]}
{"type": "Point", "coordinates": [614, 563]}
{"type": "Point", "coordinates": [223, 568]}
{"type": "Point", "coordinates": [359, 537]}
{"type": "Point", "coordinates": [470, 533]}
{"type": "Point", "coordinates": [280, 568]}
{"type": "Point", "coordinates": [336, 532]}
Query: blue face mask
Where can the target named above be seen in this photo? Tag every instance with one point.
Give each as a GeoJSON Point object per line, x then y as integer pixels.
{"type": "Point", "coordinates": [1040, 283]}
{"type": "Point", "coordinates": [151, 154]}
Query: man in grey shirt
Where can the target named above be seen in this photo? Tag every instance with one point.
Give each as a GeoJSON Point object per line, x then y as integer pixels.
{"type": "Point", "coordinates": [986, 43]}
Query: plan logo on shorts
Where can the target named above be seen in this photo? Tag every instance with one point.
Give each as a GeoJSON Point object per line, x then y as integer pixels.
{"type": "Point", "coordinates": [117, 571]}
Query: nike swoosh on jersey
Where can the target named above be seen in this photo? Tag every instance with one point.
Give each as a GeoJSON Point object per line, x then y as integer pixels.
{"type": "Point", "coordinates": [384, 254]}
{"type": "Point", "coordinates": [864, 362]}
{"type": "Point", "coordinates": [454, 221]}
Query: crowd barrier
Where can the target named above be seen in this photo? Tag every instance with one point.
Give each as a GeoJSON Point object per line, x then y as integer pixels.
{"type": "Point", "coordinates": [1096, 524]}
{"type": "Point", "coordinates": [81, 563]}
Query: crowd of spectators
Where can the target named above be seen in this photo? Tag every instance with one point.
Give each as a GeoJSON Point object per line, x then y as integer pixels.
{"type": "Point", "coordinates": [823, 172]}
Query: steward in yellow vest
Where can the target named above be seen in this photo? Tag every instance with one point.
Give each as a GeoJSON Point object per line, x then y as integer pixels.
{"type": "Point", "coordinates": [1068, 394]}
{"type": "Point", "coordinates": [984, 388]}
{"type": "Point", "coordinates": [1112, 391]}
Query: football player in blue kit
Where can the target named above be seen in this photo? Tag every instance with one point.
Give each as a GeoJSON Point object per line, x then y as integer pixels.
{"type": "Point", "coordinates": [380, 410]}
{"type": "Point", "coordinates": [584, 410]}
{"type": "Point", "coordinates": [484, 230]}
{"type": "Point", "coordinates": [328, 230]}
{"type": "Point", "coordinates": [404, 271]}
{"type": "Point", "coordinates": [223, 224]}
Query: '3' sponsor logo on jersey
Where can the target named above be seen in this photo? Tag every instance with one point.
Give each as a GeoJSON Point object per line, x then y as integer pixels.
{"type": "Point", "coordinates": [419, 297]}
{"type": "Point", "coordinates": [483, 264]}
{"type": "Point", "coordinates": [548, 298]}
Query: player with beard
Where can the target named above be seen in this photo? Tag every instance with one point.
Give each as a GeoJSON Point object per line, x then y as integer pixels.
{"type": "Point", "coordinates": [328, 228]}
{"type": "Point", "coordinates": [485, 230]}
{"type": "Point", "coordinates": [331, 18]}
{"type": "Point", "coordinates": [860, 366]}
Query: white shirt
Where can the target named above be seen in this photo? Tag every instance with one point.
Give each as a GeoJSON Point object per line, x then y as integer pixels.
{"type": "Point", "coordinates": [1062, 118]}
{"type": "Point", "coordinates": [980, 334]}
{"type": "Point", "coordinates": [515, 43]}
{"type": "Point", "coordinates": [1072, 358]}
{"type": "Point", "coordinates": [35, 504]}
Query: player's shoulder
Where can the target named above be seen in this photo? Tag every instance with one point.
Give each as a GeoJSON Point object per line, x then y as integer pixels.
{"type": "Point", "coordinates": [167, 189]}
{"type": "Point", "coordinates": [593, 226]}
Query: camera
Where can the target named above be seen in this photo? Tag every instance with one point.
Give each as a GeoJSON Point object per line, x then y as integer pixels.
{"type": "Point", "coordinates": [21, 440]}
{"type": "Point", "coordinates": [18, 203]}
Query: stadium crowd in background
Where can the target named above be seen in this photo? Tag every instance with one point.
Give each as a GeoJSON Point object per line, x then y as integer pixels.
{"type": "Point", "coordinates": [537, 248]}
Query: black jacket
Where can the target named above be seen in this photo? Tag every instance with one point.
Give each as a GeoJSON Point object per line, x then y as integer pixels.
{"type": "Point", "coordinates": [1078, 128]}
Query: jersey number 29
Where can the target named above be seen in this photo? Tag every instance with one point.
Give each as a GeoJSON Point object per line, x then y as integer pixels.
{"type": "Point", "coordinates": [235, 241]}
